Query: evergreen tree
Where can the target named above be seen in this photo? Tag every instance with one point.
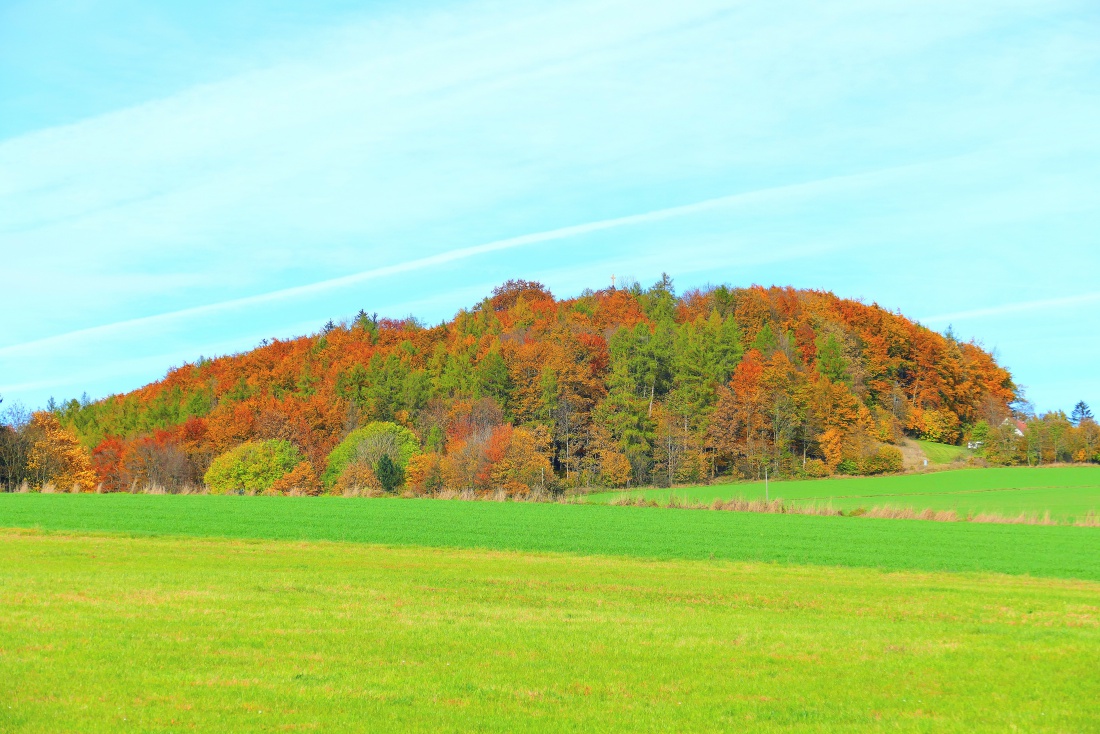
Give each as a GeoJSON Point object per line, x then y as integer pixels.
{"type": "Point", "coordinates": [1081, 412]}
{"type": "Point", "coordinates": [725, 340]}
{"type": "Point", "coordinates": [389, 474]}
{"type": "Point", "coordinates": [831, 361]}
{"type": "Point", "coordinates": [765, 341]}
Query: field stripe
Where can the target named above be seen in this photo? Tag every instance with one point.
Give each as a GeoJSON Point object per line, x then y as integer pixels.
{"type": "Point", "coordinates": [935, 494]}
{"type": "Point", "coordinates": [1059, 551]}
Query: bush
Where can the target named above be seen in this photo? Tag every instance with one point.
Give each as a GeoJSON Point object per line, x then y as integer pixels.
{"type": "Point", "coordinates": [252, 467]}
{"type": "Point", "coordinates": [817, 468]}
{"type": "Point", "coordinates": [886, 460]}
{"type": "Point", "coordinates": [847, 466]}
{"type": "Point", "coordinates": [368, 444]}
{"type": "Point", "coordinates": [300, 479]}
{"type": "Point", "coordinates": [357, 478]}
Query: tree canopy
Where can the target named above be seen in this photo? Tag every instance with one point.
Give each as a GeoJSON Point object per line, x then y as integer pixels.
{"type": "Point", "coordinates": [623, 386]}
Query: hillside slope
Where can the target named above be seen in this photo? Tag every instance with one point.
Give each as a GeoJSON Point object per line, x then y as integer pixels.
{"type": "Point", "coordinates": [613, 387]}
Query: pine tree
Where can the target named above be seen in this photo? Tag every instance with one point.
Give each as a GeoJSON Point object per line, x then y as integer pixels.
{"type": "Point", "coordinates": [388, 473]}
{"type": "Point", "coordinates": [1081, 412]}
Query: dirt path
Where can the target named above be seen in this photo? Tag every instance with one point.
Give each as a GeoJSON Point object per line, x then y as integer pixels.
{"type": "Point", "coordinates": [911, 455]}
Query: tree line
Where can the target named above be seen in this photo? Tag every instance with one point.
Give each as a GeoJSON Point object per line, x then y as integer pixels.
{"type": "Point", "coordinates": [524, 392]}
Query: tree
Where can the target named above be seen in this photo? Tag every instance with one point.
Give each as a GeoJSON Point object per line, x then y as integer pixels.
{"type": "Point", "coordinates": [831, 361]}
{"type": "Point", "coordinates": [389, 473]}
{"type": "Point", "coordinates": [56, 456]}
{"type": "Point", "coordinates": [252, 467]}
{"type": "Point", "coordinates": [615, 469]}
{"type": "Point", "coordinates": [368, 445]}
{"type": "Point", "coordinates": [424, 473]}
{"type": "Point", "coordinates": [523, 463]}
{"type": "Point", "coordinates": [1081, 412]}
{"type": "Point", "coordinates": [741, 425]}
{"type": "Point", "coordinates": [14, 445]}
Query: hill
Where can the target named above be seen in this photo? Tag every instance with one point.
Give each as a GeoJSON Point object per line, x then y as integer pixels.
{"type": "Point", "coordinates": [524, 391]}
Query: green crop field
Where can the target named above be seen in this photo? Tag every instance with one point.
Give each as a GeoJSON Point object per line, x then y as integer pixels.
{"type": "Point", "coordinates": [1062, 551]}
{"type": "Point", "coordinates": [206, 613]}
{"type": "Point", "coordinates": [1066, 492]}
{"type": "Point", "coordinates": [942, 453]}
{"type": "Point", "coordinates": [110, 633]}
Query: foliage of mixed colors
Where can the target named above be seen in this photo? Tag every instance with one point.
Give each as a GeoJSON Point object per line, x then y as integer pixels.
{"type": "Point", "coordinates": [621, 387]}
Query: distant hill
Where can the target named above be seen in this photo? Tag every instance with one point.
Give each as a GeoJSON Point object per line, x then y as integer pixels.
{"type": "Point", "coordinates": [621, 386]}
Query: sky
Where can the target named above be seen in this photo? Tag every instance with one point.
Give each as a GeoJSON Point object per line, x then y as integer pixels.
{"type": "Point", "coordinates": [185, 179]}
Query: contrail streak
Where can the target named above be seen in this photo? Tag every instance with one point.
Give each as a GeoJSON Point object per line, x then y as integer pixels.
{"type": "Point", "coordinates": [1008, 308]}
{"type": "Point", "coordinates": [463, 253]}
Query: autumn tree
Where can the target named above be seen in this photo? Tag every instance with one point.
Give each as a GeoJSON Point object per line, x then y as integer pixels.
{"type": "Point", "coordinates": [253, 466]}
{"type": "Point", "coordinates": [56, 457]}
{"type": "Point", "coordinates": [740, 427]}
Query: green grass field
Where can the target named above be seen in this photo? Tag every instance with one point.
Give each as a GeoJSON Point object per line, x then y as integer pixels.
{"type": "Point", "coordinates": [1062, 551]}
{"type": "Point", "coordinates": [942, 453]}
{"type": "Point", "coordinates": [204, 613]}
{"type": "Point", "coordinates": [109, 633]}
{"type": "Point", "coordinates": [1068, 493]}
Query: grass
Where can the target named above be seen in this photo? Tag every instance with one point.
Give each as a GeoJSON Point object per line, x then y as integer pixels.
{"type": "Point", "coordinates": [1067, 552]}
{"type": "Point", "coordinates": [1067, 492]}
{"type": "Point", "coordinates": [110, 633]}
{"type": "Point", "coordinates": [942, 453]}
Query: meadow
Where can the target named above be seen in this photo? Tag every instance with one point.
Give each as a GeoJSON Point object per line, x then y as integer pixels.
{"type": "Point", "coordinates": [1068, 493]}
{"type": "Point", "coordinates": [584, 529]}
{"type": "Point", "coordinates": [113, 633]}
{"type": "Point", "coordinates": [942, 453]}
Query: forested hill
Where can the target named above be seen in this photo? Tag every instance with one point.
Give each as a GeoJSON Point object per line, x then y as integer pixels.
{"type": "Point", "coordinates": [622, 385]}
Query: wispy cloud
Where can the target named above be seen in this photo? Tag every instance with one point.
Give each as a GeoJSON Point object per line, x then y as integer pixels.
{"type": "Point", "coordinates": [910, 153]}
{"type": "Point", "coordinates": [1006, 309]}
{"type": "Point", "coordinates": [808, 188]}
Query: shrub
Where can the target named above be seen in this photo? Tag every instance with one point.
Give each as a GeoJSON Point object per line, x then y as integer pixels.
{"type": "Point", "coordinates": [886, 460]}
{"type": "Point", "coordinates": [301, 479]}
{"type": "Point", "coordinates": [848, 466]}
{"type": "Point", "coordinates": [817, 468]}
{"type": "Point", "coordinates": [253, 466]}
{"type": "Point", "coordinates": [368, 444]}
{"type": "Point", "coordinates": [357, 478]}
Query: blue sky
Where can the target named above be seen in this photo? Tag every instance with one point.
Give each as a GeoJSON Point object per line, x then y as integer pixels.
{"type": "Point", "coordinates": [186, 179]}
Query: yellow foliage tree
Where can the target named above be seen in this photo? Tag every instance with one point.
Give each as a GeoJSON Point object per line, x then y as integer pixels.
{"type": "Point", "coordinates": [56, 457]}
{"type": "Point", "coordinates": [615, 469]}
{"type": "Point", "coordinates": [832, 446]}
{"type": "Point", "coordinates": [941, 426]}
